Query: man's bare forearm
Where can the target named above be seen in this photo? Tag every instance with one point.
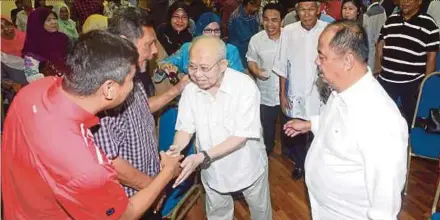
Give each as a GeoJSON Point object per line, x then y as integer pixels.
{"type": "Point", "coordinates": [159, 101]}
{"type": "Point", "coordinates": [181, 140]}
{"type": "Point", "coordinates": [430, 62]}
{"type": "Point", "coordinates": [282, 86]}
{"type": "Point", "coordinates": [379, 54]}
{"type": "Point", "coordinates": [228, 146]}
{"type": "Point", "coordinates": [130, 176]}
{"type": "Point", "coordinates": [254, 69]}
{"type": "Point", "coordinates": [145, 198]}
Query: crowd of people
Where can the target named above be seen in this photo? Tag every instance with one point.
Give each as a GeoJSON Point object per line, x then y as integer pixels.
{"type": "Point", "coordinates": [80, 82]}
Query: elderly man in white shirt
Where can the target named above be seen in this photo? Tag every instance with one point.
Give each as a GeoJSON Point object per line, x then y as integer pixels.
{"type": "Point", "coordinates": [294, 63]}
{"type": "Point", "coordinates": [356, 165]}
{"type": "Point", "coordinates": [260, 56]}
{"type": "Point", "coordinates": [222, 107]}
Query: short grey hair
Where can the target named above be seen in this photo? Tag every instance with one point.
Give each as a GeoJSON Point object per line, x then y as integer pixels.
{"type": "Point", "coordinates": [219, 45]}
{"type": "Point", "coordinates": [96, 57]}
{"type": "Point", "coordinates": [349, 36]}
{"type": "Point", "coordinates": [316, 2]}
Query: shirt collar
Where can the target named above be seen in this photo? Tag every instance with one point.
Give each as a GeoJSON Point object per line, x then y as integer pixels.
{"type": "Point", "coordinates": [266, 36]}
{"type": "Point", "coordinates": [351, 94]}
{"type": "Point", "coordinates": [225, 85]}
{"type": "Point", "coordinates": [412, 17]}
{"type": "Point", "coordinates": [313, 28]}
{"type": "Point", "coordinates": [63, 105]}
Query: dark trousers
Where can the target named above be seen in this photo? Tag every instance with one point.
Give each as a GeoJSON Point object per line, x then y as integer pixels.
{"type": "Point", "coordinates": [269, 116]}
{"type": "Point", "coordinates": [296, 148]}
{"type": "Point", "coordinates": [405, 95]}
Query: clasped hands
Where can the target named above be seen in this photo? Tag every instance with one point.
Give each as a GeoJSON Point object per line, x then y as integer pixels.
{"type": "Point", "coordinates": [188, 166]}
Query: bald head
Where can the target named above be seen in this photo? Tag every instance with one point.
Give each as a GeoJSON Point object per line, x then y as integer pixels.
{"type": "Point", "coordinates": [348, 36]}
{"type": "Point", "coordinates": [209, 46]}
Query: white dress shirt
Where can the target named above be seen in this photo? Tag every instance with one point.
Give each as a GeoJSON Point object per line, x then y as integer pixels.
{"type": "Point", "coordinates": [233, 111]}
{"type": "Point", "coordinates": [356, 165]}
{"type": "Point", "coordinates": [262, 50]}
{"type": "Point", "coordinates": [295, 61]}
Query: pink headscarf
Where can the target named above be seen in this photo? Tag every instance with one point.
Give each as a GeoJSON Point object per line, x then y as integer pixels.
{"type": "Point", "coordinates": [13, 46]}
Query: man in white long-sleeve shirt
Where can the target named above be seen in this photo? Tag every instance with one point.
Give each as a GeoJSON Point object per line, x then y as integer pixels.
{"type": "Point", "coordinates": [356, 166]}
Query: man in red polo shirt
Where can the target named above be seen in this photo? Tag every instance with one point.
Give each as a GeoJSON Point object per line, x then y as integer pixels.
{"type": "Point", "coordinates": [51, 168]}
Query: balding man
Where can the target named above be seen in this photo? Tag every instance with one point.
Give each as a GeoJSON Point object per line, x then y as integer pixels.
{"type": "Point", "coordinates": [222, 107]}
{"type": "Point", "coordinates": [356, 165]}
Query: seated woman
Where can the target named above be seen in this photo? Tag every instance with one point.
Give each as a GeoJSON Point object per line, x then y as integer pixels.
{"type": "Point", "coordinates": [95, 22]}
{"type": "Point", "coordinates": [45, 48]}
{"type": "Point", "coordinates": [173, 34]}
{"type": "Point", "coordinates": [65, 24]}
{"type": "Point", "coordinates": [208, 24]}
{"type": "Point", "coordinates": [12, 41]}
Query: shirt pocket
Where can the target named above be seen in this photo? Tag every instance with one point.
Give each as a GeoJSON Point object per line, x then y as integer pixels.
{"type": "Point", "coordinates": [336, 139]}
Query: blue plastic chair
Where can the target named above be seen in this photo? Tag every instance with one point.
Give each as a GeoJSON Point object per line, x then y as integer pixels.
{"type": "Point", "coordinates": [180, 199]}
{"type": "Point", "coordinates": [423, 144]}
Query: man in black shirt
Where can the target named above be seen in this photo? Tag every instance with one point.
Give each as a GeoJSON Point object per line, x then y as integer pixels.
{"type": "Point", "coordinates": [406, 52]}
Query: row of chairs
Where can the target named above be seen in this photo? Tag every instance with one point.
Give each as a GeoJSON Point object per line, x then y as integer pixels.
{"type": "Point", "coordinates": [422, 143]}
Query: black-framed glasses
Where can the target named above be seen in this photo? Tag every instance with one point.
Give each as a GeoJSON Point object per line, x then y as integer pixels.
{"type": "Point", "coordinates": [210, 31]}
{"type": "Point", "coordinates": [193, 68]}
{"type": "Point", "coordinates": [177, 17]}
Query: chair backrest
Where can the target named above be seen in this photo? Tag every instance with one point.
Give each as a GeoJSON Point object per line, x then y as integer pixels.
{"type": "Point", "coordinates": [425, 144]}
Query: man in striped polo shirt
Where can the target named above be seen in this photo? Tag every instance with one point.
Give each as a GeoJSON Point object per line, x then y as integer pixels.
{"type": "Point", "coordinates": [406, 53]}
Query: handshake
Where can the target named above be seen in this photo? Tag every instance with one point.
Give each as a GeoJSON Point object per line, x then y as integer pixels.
{"type": "Point", "coordinates": [170, 162]}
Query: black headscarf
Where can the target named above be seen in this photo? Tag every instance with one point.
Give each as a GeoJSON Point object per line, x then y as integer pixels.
{"type": "Point", "coordinates": [170, 39]}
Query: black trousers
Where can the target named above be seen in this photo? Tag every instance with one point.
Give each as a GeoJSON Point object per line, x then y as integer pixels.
{"type": "Point", "coordinates": [406, 94]}
{"type": "Point", "coordinates": [296, 148]}
{"type": "Point", "coordinates": [268, 117]}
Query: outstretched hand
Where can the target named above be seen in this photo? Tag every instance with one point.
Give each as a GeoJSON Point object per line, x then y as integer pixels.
{"type": "Point", "coordinates": [188, 166]}
{"type": "Point", "coordinates": [296, 126]}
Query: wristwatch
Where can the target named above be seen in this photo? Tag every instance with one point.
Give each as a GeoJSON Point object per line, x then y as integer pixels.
{"type": "Point", "coordinates": [206, 161]}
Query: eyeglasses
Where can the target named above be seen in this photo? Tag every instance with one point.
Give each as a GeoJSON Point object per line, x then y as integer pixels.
{"type": "Point", "coordinates": [210, 31]}
{"type": "Point", "coordinates": [193, 68]}
{"type": "Point", "coordinates": [177, 17]}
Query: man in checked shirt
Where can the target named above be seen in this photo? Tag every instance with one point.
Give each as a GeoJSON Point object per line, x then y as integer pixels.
{"type": "Point", "coordinates": [126, 133]}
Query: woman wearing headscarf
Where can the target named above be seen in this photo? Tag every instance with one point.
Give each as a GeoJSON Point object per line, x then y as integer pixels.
{"type": "Point", "coordinates": [80, 10]}
{"type": "Point", "coordinates": [45, 48]}
{"type": "Point", "coordinates": [173, 34]}
{"type": "Point", "coordinates": [12, 41]}
{"type": "Point", "coordinates": [65, 24]}
{"type": "Point", "coordinates": [95, 22]}
{"type": "Point", "coordinates": [208, 24]}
